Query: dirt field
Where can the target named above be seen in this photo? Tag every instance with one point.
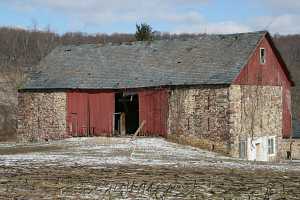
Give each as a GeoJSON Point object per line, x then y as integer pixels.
{"type": "Point", "coordinates": [117, 168]}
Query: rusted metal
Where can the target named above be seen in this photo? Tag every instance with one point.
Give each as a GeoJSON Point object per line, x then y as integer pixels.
{"type": "Point", "coordinates": [153, 108]}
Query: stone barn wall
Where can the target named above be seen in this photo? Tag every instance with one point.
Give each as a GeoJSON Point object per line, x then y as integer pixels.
{"type": "Point", "coordinates": [199, 117]}
{"type": "Point", "coordinates": [255, 116]}
{"type": "Point", "coordinates": [41, 116]}
{"type": "Point", "coordinates": [292, 145]}
{"type": "Point", "coordinates": [219, 118]}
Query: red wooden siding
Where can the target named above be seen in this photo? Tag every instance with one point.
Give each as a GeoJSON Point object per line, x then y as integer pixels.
{"type": "Point", "coordinates": [77, 118]}
{"type": "Point", "coordinates": [153, 108]}
{"type": "Point", "coordinates": [90, 111]}
{"type": "Point", "coordinates": [102, 108]}
{"type": "Point", "coordinates": [271, 73]}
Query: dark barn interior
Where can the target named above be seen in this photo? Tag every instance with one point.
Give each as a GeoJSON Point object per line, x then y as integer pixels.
{"type": "Point", "coordinates": [127, 104]}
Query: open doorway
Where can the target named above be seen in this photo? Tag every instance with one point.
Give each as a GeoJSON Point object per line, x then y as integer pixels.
{"type": "Point", "coordinates": [126, 115]}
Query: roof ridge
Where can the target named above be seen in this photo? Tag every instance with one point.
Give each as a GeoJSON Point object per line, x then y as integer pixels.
{"type": "Point", "coordinates": [130, 43]}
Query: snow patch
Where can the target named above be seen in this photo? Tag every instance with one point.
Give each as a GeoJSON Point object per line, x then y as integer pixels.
{"type": "Point", "coordinates": [101, 152]}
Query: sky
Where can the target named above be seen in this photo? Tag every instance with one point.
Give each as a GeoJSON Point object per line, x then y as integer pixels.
{"type": "Point", "coordinates": [174, 16]}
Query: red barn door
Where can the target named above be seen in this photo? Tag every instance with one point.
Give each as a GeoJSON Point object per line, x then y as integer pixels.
{"type": "Point", "coordinates": [102, 107]}
{"type": "Point", "coordinates": [90, 113]}
{"type": "Point", "coordinates": [153, 108]}
{"type": "Point", "coordinates": [77, 114]}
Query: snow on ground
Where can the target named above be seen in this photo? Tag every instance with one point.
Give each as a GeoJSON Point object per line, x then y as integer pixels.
{"type": "Point", "coordinates": [100, 152]}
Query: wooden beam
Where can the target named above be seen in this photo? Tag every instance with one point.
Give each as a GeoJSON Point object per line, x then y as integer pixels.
{"type": "Point", "coordinates": [138, 130]}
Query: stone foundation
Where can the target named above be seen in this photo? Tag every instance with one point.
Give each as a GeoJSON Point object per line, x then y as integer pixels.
{"type": "Point", "coordinates": [199, 117]}
{"type": "Point", "coordinates": [219, 118]}
{"type": "Point", "coordinates": [255, 116]}
{"type": "Point", "coordinates": [292, 145]}
{"type": "Point", "coordinates": [41, 116]}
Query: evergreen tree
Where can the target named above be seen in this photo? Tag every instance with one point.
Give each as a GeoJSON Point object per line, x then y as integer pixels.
{"type": "Point", "coordinates": [143, 32]}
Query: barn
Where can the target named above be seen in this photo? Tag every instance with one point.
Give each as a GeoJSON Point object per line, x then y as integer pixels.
{"type": "Point", "coordinates": [227, 93]}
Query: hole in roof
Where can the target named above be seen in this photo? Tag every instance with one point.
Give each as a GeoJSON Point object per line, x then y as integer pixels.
{"type": "Point", "coordinates": [68, 49]}
{"type": "Point", "coordinates": [189, 49]}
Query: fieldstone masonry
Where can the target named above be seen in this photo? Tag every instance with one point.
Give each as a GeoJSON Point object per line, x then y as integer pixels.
{"type": "Point", "coordinates": [41, 116]}
{"type": "Point", "coordinates": [255, 112]}
{"type": "Point", "coordinates": [291, 145]}
{"type": "Point", "coordinates": [200, 117]}
{"type": "Point", "coordinates": [216, 118]}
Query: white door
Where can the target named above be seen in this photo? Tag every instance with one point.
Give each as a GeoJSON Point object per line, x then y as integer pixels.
{"type": "Point", "coordinates": [258, 151]}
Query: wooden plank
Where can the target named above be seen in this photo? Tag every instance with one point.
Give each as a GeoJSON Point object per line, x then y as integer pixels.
{"type": "Point", "coordinates": [139, 129]}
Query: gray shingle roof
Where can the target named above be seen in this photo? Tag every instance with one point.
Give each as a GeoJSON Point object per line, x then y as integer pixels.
{"type": "Point", "coordinates": [209, 59]}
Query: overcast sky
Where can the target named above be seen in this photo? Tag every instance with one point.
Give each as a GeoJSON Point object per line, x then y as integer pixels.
{"type": "Point", "coordinates": [176, 16]}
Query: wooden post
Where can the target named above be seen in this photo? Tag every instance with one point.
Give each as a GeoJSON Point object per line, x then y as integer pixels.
{"type": "Point", "coordinates": [138, 130]}
{"type": "Point", "coordinates": [123, 124]}
{"type": "Point", "coordinates": [113, 124]}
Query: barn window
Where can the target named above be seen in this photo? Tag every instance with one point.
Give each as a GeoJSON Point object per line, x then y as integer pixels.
{"type": "Point", "coordinates": [271, 146]}
{"type": "Point", "coordinates": [262, 56]}
{"type": "Point", "coordinates": [243, 148]}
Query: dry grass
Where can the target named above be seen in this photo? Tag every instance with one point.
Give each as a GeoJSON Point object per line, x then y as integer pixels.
{"type": "Point", "coordinates": [135, 182]}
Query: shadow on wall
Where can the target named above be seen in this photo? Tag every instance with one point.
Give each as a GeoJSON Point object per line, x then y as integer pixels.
{"type": "Point", "coordinates": [8, 123]}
